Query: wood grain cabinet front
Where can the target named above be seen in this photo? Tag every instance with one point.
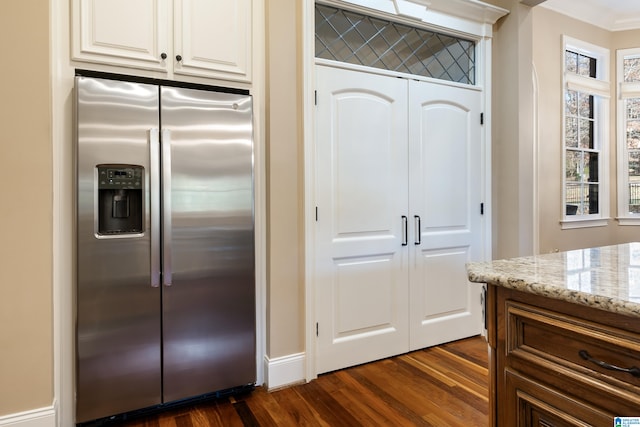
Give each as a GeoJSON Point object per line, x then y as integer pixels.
{"type": "Point", "coordinates": [536, 404]}
{"type": "Point", "coordinates": [563, 364]}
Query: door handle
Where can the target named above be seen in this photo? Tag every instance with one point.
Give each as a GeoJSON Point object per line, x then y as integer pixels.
{"type": "Point", "coordinates": [154, 201]}
{"type": "Point", "coordinates": [405, 236]}
{"type": "Point", "coordinates": [418, 237]}
{"type": "Point", "coordinates": [166, 208]}
{"type": "Point", "coordinates": [633, 370]}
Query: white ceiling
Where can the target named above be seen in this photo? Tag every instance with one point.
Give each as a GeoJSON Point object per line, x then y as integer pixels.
{"type": "Point", "coordinates": [613, 15]}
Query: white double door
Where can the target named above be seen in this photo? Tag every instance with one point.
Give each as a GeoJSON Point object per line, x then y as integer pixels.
{"type": "Point", "coordinates": [398, 173]}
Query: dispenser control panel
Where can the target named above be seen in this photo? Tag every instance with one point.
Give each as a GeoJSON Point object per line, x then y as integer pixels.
{"type": "Point", "coordinates": [125, 178]}
{"type": "Point", "coordinates": [120, 200]}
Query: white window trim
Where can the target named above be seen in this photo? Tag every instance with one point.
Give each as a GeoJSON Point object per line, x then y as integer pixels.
{"type": "Point", "coordinates": [600, 88]}
{"type": "Point", "coordinates": [595, 87]}
{"type": "Point", "coordinates": [628, 89]}
{"type": "Point", "coordinates": [625, 91]}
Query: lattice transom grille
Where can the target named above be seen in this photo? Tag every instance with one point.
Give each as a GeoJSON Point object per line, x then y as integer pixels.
{"type": "Point", "coordinates": [352, 37]}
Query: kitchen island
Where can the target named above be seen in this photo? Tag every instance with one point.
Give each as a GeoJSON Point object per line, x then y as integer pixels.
{"type": "Point", "coordinates": [564, 336]}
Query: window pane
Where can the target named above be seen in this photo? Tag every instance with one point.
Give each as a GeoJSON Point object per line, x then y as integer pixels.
{"type": "Point", "coordinates": [571, 132]}
{"type": "Point", "coordinates": [592, 198]}
{"type": "Point", "coordinates": [634, 189]}
{"type": "Point", "coordinates": [574, 198]}
{"type": "Point", "coordinates": [573, 171]}
{"type": "Point", "coordinates": [633, 108]}
{"type": "Point", "coordinates": [586, 133]}
{"type": "Point", "coordinates": [590, 167]}
{"type": "Point", "coordinates": [634, 181]}
{"type": "Point", "coordinates": [583, 65]}
{"type": "Point", "coordinates": [632, 69]}
{"type": "Point", "coordinates": [586, 66]}
{"type": "Point", "coordinates": [634, 166]}
{"type": "Point", "coordinates": [571, 102]}
{"type": "Point", "coordinates": [582, 199]}
{"type": "Point", "coordinates": [634, 208]}
{"type": "Point", "coordinates": [633, 134]}
{"type": "Point", "coordinates": [579, 64]}
{"type": "Point", "coordinates": [571, 62]}
{"type": "Point", "coordinates": [585, 105]}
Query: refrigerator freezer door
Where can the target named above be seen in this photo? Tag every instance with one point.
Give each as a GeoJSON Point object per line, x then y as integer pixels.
{"type": "Point", "coordinates": [209, 303]}
{"type": "Point", "coordinates": [118, 310]}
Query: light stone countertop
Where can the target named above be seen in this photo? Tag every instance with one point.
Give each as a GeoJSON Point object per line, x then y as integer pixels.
{"type": "Point", "coordinates": [607, 278]}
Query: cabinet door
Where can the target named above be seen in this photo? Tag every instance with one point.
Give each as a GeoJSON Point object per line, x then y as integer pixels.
{"type": "Point", "coordinates": [127, 33]}
{"type": "Point", "coordinates": [529, 403]}
{"type": "Point", "coordinates": [213, 38]}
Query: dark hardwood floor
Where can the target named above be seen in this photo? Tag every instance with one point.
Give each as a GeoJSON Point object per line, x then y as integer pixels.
{"type": "Point", "coordinates": [442, 386]}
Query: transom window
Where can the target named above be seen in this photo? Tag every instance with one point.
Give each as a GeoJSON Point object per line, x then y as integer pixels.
{"type": "Point", "coordinates": [355, 38]}
{"type": "Point", "coordinates": [585, 150]}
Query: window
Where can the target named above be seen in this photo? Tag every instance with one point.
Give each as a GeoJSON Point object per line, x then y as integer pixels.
{"type": "Point", "coordinates": [628, 66]}
{"type": "Point", "coordinates": [586, 94]}
{"type": "Point", "coordinates": [352, 37]}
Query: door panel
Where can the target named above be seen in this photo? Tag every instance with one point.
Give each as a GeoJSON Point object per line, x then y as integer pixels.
{"type": "Point", "coordinates": [361, 269]}
{"type": "Point", "coordinates": [353, 283]}
{"type": "Point", "coordinates": [443, 175]}
{"type": "Point", "coordinates": [209, 303]}
{"type": "Point", "coordinates": [444, 264]}
{"type": "Point", "coordinates": [445, 187]}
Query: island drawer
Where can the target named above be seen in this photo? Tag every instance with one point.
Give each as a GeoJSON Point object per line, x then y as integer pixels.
{"type": "Point", "coordinates": [557, 347]}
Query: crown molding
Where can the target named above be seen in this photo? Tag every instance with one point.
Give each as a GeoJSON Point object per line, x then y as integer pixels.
{"type": "Point", "coordinates": [596, 13]}
{"type": "Point", "coordinates": [422, 10]}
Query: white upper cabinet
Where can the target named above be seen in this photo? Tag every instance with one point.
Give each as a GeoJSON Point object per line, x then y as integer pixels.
{"type": "Point", "coordinates": [213, 38]}
{"type": "Point", "coordinates": [205, 38]}
{"type": "Point", "coordinates": [128, 33]}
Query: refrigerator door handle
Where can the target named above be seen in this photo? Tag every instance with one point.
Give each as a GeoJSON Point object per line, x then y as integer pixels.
{"type": "Point", "coordinates": [166, 207]}
{"type": "Point", "coordinates": [154, 187]}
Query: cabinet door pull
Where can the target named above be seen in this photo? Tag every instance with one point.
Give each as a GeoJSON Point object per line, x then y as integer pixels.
{"type": "Point", "coordinates": [178, 58]}
{"type": "Point", "coordinates": [163, 55]}
{"type": "Point", "coordinates": [418, 239]}
{"type": "Point", "coordinates": [632, 370]}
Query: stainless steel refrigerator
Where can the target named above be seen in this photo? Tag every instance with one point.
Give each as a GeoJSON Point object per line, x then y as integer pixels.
{"type": "Point", "coordinates": [165, 244]}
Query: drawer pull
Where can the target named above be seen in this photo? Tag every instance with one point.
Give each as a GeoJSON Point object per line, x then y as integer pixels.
{"type": "Point", "coordinates": [632, 370]}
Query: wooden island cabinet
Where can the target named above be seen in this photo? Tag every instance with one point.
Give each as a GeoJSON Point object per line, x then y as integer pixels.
{"type": "Point", "coordinates": [564, 337]}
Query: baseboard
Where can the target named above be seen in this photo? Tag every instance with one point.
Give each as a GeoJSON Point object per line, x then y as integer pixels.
{"type": "Point", "coordinates": [284, 371]}
{"type": "Point", "coordinates": [43, 417]}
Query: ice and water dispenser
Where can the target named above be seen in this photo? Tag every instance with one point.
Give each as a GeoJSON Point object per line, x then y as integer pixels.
{"type": "Point", "coordinates": [120, 207]}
